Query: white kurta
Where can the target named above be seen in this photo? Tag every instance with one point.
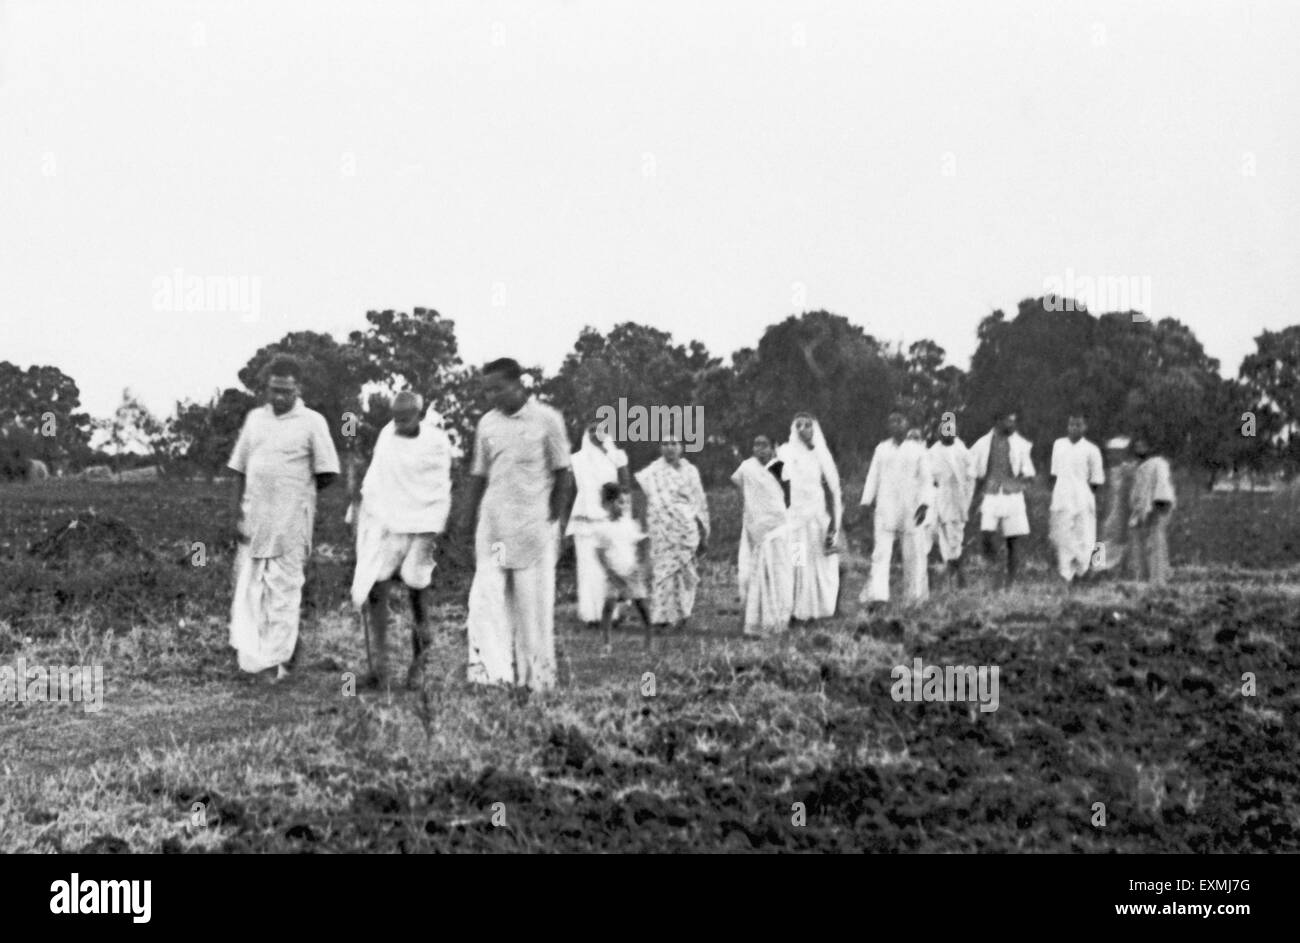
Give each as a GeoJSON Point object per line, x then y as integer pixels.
{"type": "Point", "coordinates": [279, 457]}
{"type": "Point", "coordinates": [511, 620]}
{"type": "Point", "coordinates": [954, 488]}
{"type": "Point", "coordinates": [1077, 467]}
{"type": "Point", "coordinates": [1148, 525]}
{"type": "Point", "coordinates": [816, 572]}
{"type": "Point", "coordinates": [765, 571]}
{"type": "Point", "coordinates": [899, 482]}
{"type": "Point", "coordinates": [593, 467]}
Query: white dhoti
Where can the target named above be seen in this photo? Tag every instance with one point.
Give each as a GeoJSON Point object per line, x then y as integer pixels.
{"type": "Point", "coordinates": [916, 579]}
{"type": "Point", "coordinates": [383, 554]}
{"type": "Point", "coordinates": [766, 577]}
{"type": "Point", "coordinates": [1074, 535]}
{"type": "Point", "coordinates": [511, 620]}
{"type": "Point", "coordinates": [949, 536]}
{"type": "Point", "coordinates": [591, 574]}
{"type": "Point", "coordinates": [265, 609]}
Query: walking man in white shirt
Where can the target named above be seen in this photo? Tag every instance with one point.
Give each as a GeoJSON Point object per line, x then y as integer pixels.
{"type": "Point", "coordinates": [1001, 465]}
{"type": "Point", "coordinates": [283, 456]}
{"type": "Point", "coordinates": [1077, 474]}
{"type": "Point", "coordinates": [900, 484]}
{"type": "Point", "coordinates": [520, 483]}
{"type": "Point", "coordinates": [950, 461]}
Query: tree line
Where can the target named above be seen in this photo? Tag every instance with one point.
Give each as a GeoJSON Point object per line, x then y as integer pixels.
{"type": "Point", "coordinates": [1124, 372]}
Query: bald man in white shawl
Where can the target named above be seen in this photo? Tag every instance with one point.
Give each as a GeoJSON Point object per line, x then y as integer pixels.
{"type": "Point", "coordinates": [403, 508]}
{"type": "Point", "coordinates": [597, 463]}
{"type": "Point", "coordinates": [816, 508]}
{"type": "Point", "coordinates": [765, 571]}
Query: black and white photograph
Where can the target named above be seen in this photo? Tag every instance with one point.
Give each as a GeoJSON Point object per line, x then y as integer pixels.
{"type": "Point", "coordinates": [566, 427]}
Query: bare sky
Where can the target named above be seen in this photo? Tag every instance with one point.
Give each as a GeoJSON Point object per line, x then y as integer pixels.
{"type": "Point", "coordinates": [705, 167]}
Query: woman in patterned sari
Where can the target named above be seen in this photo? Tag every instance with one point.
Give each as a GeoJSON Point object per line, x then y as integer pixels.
{"type": "Point", "coordinates": [677, 519]}
{"type": "Point", "coordinates": [816, 506]}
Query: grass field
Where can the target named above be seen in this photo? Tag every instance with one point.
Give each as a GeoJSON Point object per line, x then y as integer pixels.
{"type": "Point", "coordinates": [1114, 694]}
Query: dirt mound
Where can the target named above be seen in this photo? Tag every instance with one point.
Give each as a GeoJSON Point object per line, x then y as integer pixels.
{"type": "Point", "coordinates": [88, 537]}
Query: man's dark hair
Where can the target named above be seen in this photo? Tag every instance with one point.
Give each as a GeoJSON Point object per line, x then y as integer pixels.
{"type": "Point", "coordinates": [508, 367]}
{"type": "Point", "coordinates": [610, 491]}
{"type": "Point", "coordinates": [284, 365]}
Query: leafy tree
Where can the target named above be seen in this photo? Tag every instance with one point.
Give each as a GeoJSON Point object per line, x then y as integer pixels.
{"type": "Point", "coordinates": [822, 363]}
{"type": "Point", "coordinates": [1272, 376]}
{"type": "Point", "coordinates": [203, 434]}
{"type": "Point", "coordinates": [930, 388]}
{"type": "Point", "coordinates": [633, 362]}
{"type": "Point", "coordinates": [45, 402]}
{"type": "Point", "coordinates": [333, 375]}
{"type": "Point", "coordinates": [133, 428]}
{"type": "Point", "coordinates": [1122, 373]}
{"type": "Point", "coordinates": [416, 351]}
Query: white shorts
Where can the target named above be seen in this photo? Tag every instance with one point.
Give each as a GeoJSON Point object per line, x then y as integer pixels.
{"type": "Point", "coordinates": [1004, 511]}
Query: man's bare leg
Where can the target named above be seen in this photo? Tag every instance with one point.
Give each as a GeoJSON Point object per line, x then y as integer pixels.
{"type": "Point", "coordinates": [607, 620]}
{"type": "Point", "coordinates": [377, 604]}
{"type": "Point", "coordinates": [645, 617]}
{"type": "Point", "coordinates": [421, 638]}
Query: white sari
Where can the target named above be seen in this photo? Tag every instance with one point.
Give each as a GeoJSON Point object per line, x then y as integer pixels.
{"type": "Point", "coordinates": [811, 472]}
{"type": "Point", "coordinates": [765, 570]}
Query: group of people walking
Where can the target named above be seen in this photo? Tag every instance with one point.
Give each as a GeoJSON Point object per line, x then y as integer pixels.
{"type": "Point", "coordinates": [523, 482]}
{"type": "Point", "coordinates": [922, 499]}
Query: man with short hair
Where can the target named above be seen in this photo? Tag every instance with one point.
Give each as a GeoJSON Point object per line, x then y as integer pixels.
{"type": "Point", "coordinates": [400, 513]}
{"type": "Point", "coordinates": [949, 459]}
{"type": "Point", "coordinates": [1076, 474]}
{"type": "Point", "coordinates": [1151, 505]}
{"type": "Point", "coordinates": [1001, 465]}
{"type": "Point", "coordinates": [520, 484]}
{"type": "Point", "coordinates": [283, 456]}
{"type": "Point", "coordinates": [900, 483]}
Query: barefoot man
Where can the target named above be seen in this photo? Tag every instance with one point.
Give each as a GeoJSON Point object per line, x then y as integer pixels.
{"type": "Point", "coordinates": [283, 456]}
{"type": "Point", "coordinates": [954, 488]}
{"type": "Point", "coordinates": [402, 513]}
{"type": "Point", "coordinates": [521, 478]}
{"type": "Point", "coordinates": [1002, 466]}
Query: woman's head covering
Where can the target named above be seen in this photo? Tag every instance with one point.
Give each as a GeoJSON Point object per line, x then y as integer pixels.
{"type": "Point", "coordinates": [821, 452]}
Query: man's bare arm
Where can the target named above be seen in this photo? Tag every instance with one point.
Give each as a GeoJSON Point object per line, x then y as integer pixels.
{"type": "Point", "coordinates": [561, 492]}
{"type": "Point", "coordinates": [473, 497]}
{"type": "Point", "coordinates": [237, 511]}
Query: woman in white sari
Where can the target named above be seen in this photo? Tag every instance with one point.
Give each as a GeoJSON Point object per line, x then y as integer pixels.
{"type": "Point", "coordinates": [677, 519]}
{"type": "Point", "coordinates": [816, 507]}
{"type": "Point", "coordinates": [766, 572]}
{"type": "Point", "coordinates": [597, 463]}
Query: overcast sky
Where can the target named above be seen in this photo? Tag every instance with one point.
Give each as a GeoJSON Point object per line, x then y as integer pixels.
{"type": "Point", "coordinates": [706, 167]}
